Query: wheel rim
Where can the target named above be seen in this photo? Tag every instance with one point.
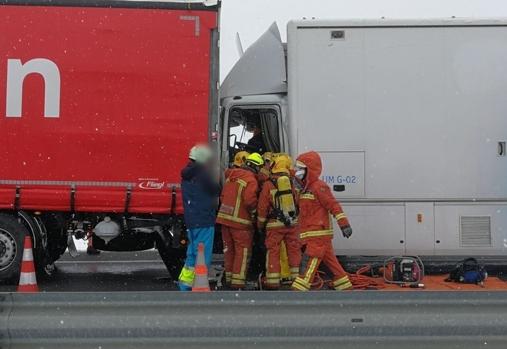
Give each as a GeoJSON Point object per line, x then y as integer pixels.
{"type": "Point", "coordinates": [8, 249]}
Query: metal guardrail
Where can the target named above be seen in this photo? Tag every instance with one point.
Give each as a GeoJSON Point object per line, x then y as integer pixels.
{"type": "Point", "coordinates": [254, 319]}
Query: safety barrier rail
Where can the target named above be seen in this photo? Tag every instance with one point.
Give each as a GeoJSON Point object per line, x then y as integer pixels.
{"type": "Point", "coordinates": [254, 319]}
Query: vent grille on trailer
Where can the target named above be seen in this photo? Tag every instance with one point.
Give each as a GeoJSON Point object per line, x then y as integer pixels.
{"type": "Point", "coordinates": [475, 231]}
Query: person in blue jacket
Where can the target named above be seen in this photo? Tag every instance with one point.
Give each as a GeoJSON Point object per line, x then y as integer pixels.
{"type": "Point", "coordinates": [200, 199]}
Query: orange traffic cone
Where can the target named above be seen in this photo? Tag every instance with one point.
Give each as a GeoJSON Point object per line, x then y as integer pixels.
{"type": "Point", "coordinates": [27, 280]}
{"type": "Point", "coordinates": [201, 283]}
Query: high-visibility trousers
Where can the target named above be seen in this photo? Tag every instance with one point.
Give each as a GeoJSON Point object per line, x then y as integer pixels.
{"type": "Point", "coordinates": [273, 245]}
{"type": "Point", "coordinates": [195, 236]}
{"type": "Point", "coordinates": [237, 251]}
{"type": "Point", "coordinates": [317, 250]}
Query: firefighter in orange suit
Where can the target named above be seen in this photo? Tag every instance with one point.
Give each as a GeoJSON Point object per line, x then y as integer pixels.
{"type": "Point", "coordinates": [317, 207]}
{"type": "Point", "coordinates": [279, 225]}
{"type": "Point", "coordinates": [238, 162]}
{"type": "Point", "coordinates": [236, 215]}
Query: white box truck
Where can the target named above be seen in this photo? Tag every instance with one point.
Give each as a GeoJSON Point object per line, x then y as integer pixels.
{"type": "Point", "coordinates": [410, 118]}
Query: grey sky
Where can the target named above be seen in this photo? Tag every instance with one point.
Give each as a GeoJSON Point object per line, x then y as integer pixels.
{"type": "Point", "coordinates": [250, 18]}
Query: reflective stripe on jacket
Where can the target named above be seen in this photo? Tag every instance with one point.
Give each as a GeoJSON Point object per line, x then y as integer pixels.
{"type": "Point", "coordinates": [238, 199]}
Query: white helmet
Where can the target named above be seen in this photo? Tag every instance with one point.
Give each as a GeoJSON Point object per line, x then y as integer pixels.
{"type": "Point", "coordinates": [200, 153]}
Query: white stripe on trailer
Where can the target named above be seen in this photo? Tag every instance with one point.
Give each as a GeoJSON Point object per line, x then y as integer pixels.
{"type": "Point", "coordinates": [78, 183]}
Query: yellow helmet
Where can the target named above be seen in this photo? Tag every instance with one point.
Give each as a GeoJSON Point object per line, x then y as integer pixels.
{"type": "Point", "coordinates": [240, 158]}
{"type": "Point", "coordinates": [285, 155]}
{"type": "Point", "coordinates": [267, 156]}
{"type": "Point", "coordinates": [282, 163]}
{"type": "Point", "coordinates": [274, 155]}
{"type": "Point", "coordinates": [255, 159]}
{"type": "Point", "coordinates": [291, 163]}
{"type": "Point", "coordinates": [273, 158]}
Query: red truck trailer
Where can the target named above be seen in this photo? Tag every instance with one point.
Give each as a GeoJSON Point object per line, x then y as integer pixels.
{"type": "Point", "coordinates": [102, 101]}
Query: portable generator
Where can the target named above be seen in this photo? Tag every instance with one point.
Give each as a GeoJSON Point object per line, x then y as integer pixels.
{"type": "Point", "coordinates": [403, 270]}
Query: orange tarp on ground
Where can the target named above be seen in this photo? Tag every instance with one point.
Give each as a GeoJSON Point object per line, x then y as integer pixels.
{"type": "Point", "coordinates": [437, 283]}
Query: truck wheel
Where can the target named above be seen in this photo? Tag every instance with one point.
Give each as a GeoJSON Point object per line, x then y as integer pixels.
{"type": "Point", "coordinates": [173, 259]}
{"type": "Point", "coordinates": [12, 235]}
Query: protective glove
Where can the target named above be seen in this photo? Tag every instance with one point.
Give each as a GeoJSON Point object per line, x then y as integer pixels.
{"type": "Point", "coordinates": [347, 232]}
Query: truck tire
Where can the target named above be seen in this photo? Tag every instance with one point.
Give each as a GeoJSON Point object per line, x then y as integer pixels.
{"type": "Point", "coordinates": [173, 259]}
{"type": "Point", "coordinates": [12, 236]}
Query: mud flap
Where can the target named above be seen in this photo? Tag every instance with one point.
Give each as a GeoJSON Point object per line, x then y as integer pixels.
{"type": "Point", "coordinates": [72, 246]}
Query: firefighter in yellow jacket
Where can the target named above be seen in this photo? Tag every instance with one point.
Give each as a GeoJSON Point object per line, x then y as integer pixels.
{"type": "Point", "coordinates": [236, 214]}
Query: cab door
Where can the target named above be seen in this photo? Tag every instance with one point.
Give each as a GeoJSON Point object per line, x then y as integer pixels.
{"type": "Point", "coordinates": [250, 127]}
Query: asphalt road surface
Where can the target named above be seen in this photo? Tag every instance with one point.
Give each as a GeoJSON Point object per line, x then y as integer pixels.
{"type": "Point", "coordinates": [107, 272]}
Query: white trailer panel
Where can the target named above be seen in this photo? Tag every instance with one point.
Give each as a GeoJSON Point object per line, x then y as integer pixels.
{"type": "Point", "coordinates": [426, 104]}
{"type": "Point", "coordinates": [379, 229]}
{"type": "Point", "coordinates": [471, 229]}
{"type": "Point", "coordinates": [410, 116]}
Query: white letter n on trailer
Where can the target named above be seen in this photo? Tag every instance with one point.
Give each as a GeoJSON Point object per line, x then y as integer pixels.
{"type": "Point", "coordinates": [16, 74]}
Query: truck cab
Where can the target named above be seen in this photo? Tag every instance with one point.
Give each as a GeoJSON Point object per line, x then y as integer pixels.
{"type": "Point", "coordinates": [253, 101]}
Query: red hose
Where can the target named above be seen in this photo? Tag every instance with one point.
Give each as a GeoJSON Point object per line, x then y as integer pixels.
{"type": "Point", "coordinates": [363, 282]}
{"type": "Point", "coordinates": [358, 280]}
